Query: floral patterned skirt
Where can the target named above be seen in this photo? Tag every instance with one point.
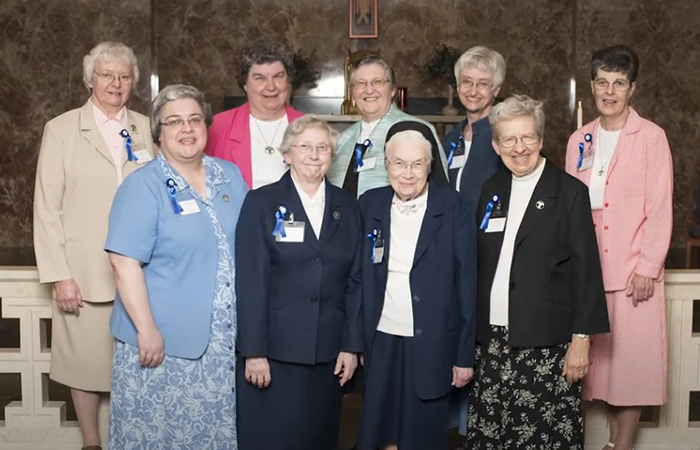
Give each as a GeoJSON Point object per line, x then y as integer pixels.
{"type": "Point", "coordinates": [519, 399]}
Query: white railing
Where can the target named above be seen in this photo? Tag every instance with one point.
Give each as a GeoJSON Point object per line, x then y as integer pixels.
{"type": "Point", "coordinates": [34, 423]}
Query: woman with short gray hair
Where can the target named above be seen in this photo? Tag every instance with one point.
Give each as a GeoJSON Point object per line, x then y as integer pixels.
{"type": "Point", "coordinates": [170, 243]}
{"type": "Point", "coordinates": [85, 154]}
{"type": "Point", "coordinates": [358, 166]}
{"type": "Point", "coordinates": [539, 293]}
{"type": "Point", "coordinates": [298, 290]}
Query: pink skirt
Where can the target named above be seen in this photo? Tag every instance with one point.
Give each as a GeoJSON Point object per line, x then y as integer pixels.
{"type": "Point", "coordinates": [629, 365]}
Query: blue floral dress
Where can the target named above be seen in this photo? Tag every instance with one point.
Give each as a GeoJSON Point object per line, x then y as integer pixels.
{"type": "Point", "coordinates": [183, 403]}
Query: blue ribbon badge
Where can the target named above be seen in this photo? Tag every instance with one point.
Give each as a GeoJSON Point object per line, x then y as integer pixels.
{"type": "Point", "coordinates": [374, 236]}
{"type": "Point", "coordinates": [129, 152]}
{"type": "Point", "coordinates": [588, 137]}
{"type": "Point", "coordinates": [358, 153]}
{"type": "Point", "coordinates": [172, 193]}
{"type": "Point", "coordinates": [454, 146]}
{"type": "Point", "coordinates": [279, 224]}
{"type": "Point", "coordinates": [489, 209]}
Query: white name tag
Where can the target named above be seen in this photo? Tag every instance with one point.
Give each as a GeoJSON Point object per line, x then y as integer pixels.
{"type": "Point", "coordinates": [378, 255]}
{"type": "Point", "coordinates": [189, 207]}
{"type": "Point", "coordinates": [458, 161]}
{"type": "Point", "coordinates": [294, 232]}
{"type": "Point", "coordinates": [143, 156]}
{"type": "Point", "coordinates": [496, 225]}
{"type": "Point", "coordinates": [586, 164]}
{"type": "Point", "coordinates": [369, 164]}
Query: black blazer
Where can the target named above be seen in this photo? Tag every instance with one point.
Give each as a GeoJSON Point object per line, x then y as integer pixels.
{"type": "Point", "coordinates": [556, 284]}
{"type": "Point", "coordinates": [443, 285]}
{"type": "Point", "coordinates": [298, 302]}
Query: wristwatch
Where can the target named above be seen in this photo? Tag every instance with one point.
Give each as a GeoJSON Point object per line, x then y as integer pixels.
{"type": "Point", "coordinates": [581, 336]}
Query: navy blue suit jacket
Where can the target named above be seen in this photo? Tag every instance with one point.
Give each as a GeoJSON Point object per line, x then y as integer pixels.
{"type": "Point", "coordinates": [443, 285]}
{"type": "Point", "coordinates": [480, 165]}
{"type": "Point", "coordinates": [298, 302]}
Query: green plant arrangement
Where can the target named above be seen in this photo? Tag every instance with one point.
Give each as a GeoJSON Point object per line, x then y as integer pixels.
{"type": "Point", "coordinates": [441, 67]}
{"type": "Point", "coordinates": [303, 72]}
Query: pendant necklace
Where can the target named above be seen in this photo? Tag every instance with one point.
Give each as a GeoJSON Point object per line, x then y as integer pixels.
{"type": "Point", "coordinates": [269, 149]}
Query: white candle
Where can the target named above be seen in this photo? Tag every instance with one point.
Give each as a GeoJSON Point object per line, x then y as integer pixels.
{"type": "Point", "coordinates": [579, 116]}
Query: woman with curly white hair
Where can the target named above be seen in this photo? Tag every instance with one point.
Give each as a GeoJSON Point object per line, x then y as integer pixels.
{"type": "Point", "coordinates": [85, 153]}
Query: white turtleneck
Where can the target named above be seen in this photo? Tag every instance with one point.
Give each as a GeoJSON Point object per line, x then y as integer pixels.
{"type": "Point", "coordinates": [406, 221]}
{"type": "Point", "coordinates": [520, 196]}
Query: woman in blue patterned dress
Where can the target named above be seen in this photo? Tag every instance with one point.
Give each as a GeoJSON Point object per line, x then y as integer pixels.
{"type": "Point", "coordinates": [171, 235]}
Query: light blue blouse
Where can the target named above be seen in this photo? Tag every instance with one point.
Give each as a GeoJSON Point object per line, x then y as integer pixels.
{"type": "Point", "coordinates": [376, 177]}
{"type": "Point", "coordinates": [178, 252]}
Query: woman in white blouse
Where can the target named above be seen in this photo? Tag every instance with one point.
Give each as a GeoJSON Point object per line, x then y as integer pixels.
{"type": "Point", "coordinates": [298, 299]}
{"type": "Point", "coordinates": [540, 293]}
{"type": "Point", "coordinates": [418, 285]}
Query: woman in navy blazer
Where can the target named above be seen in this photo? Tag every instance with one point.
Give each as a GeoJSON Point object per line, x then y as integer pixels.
{"type": "Point", "coordinates": [419, 298]}
{"type": "Point", "coordinates": [298, 290]}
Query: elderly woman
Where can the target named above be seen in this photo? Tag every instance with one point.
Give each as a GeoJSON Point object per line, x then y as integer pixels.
{"type": "Point", "coordinates": [170, 242]}
{"type": "Point", "coordinates": [626, 162]}
{"type": "Point", "coordinates": [419, 288]}
{"type": "Point", "coordinates": [540, 293]}
{"type": "Point", "coordinates": [479, 72]}
{"type": "Point", "coordinates": [251, 134]}
{"type": "Point", "coordinates": [358, 166]}
{"type": "Point", "coordinates": [84, 155]}
{"type": "Point", "coordinates": [298, 288]}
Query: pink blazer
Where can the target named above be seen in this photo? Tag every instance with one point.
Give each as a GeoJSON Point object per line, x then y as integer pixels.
{"type": "Point", "coordinates": [229, 138]}
{"type": "Point", "coordinates": [634, 227]}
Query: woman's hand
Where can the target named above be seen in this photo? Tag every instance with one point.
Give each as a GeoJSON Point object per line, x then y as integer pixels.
{"type": "Point", "coordinates": [461, 376]}
{"type": "Point", "coordinates": [345, 366]}
{"type": "Point", "coordinates": [257, 372]}
{"type": "Point", "coordinates": [641, 288]}
{"type": "Point", "coordinates": [151, 347]}
{"type": "Point", "coordinates": [576, 361]}
{"type": "Point", "coordinates": [67, 295]}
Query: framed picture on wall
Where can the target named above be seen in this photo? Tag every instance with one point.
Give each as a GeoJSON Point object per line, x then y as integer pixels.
{"type": "Point", "coordinates": [363, 19]}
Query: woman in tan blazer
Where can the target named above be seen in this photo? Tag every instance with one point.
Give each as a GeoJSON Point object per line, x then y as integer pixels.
{"type": "Point", "coordinates": [84, 155]}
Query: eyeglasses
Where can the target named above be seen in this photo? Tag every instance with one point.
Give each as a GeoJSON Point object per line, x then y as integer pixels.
{"type": "Point", "coordinates": [178, 122]}
{"type": "Point", "coordinates": [480, 85]}
{"type": "Point", "coordinates": [511, 141]}
{"type": "Point", "coordinates": [618, 85]}
{"type": "Point", "coordinates": [260, 79]}
{"type": "Point", "coordinates": [110, 77]}
{"type": "Point", "coordinates": [418, 166]}
{"type": "Point", "coordinates": [322, 149]}
{"type": "Point", "coordinates": [361, 85]}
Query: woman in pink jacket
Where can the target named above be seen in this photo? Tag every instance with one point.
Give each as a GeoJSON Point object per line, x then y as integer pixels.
{"type": "Point", "coordinates": [626, 162]}
{"type": "Point", "coordinates": [251, 134]}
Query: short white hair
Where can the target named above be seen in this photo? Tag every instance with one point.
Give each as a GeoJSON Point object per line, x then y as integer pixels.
{"type": "Point", "coordinates": [485, 59]}
{"type": "Point", "coordinates": [410, 137]}
{"type": "Point", "coordinates": [517, 106]}
{"type": "Point", "coordinates": [109, 51]}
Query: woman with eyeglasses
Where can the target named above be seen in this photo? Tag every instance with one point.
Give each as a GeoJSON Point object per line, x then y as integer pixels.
{"type": "Point", "coordinates": [419, 297]}
{"type": "Point", "coordinates": [359, 164]}
{"type": "Point", "coordinates": [170, 242]}
{"type": "Point", "coordinates": [85, 154]}
{"type": "Point", "coordinates": [626, 162]}
{"type": "Point", "coordinates": [540, 293]}
{"type": "Point", "coordinates": [250, 135]}
{"type": "Point", "coordinates": [298, 290]}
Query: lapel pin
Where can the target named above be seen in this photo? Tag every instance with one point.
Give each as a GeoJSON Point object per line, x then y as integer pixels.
{"type": "Point", "coordinates": [336, 215]}
{"type": "Point", "coordinates": [539, 204]}
{"type": "Point", "coordinates": [133, 129]}
{"type": "Point", "coordinates": [225, 197]}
